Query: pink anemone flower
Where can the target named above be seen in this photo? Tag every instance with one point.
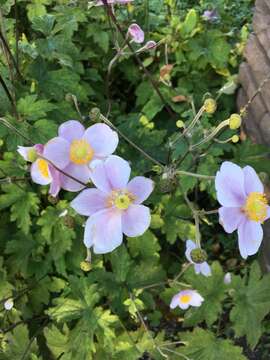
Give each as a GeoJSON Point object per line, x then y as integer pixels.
{"type": "Point", "coordinates": [114, 207]}
{"type": "Point", "coordinates": [136, 33]}
{"type": "Point", "coordinates": [42, 172]}
{"type": "Point", "coordinates": [244, 205]}
{"type": "Point", "coordinates": [75, 149]}
{"type": "Point", "coordinates": [186, 298]}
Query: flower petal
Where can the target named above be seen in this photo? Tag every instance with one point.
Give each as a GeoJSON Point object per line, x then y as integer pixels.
{"type": "Point", "coordinates": [103, 231]}
{"type": "Point", "coordinates": [229, 184]}
{"type": "Point", "coordinates": [141, 188]}
{"type": "Point", "coordinates": [40, 172]}
{"type": "Point", "coordinates": [118, 171]}
{"type": "Point", "coordinates": [252, 181]}
{"type": "Point", "coordinates": [175, 301]}
{"type": "Point", "coordinates": [136, 220]}
{"type": "Point", "coordinates": [102, 139]}
{"type": "Point", "coordinates": [136, 33]}
{"type": "Point", "coordinates": [99, 177]}
{"type": "Point", "coordinates": [80, 172]}
{"type": "Point", "coordinates": [203, 269]}
{"type": "Point", "coordinates": [190, 245]}
{"type": "Point", "coordinates": [196, 299]}
{"type": "Point", "coordinates": [71, 130]}
{"type": "Point", "coordinates": [250, 235]}
{"type": "Point", "coordinates": [56, 183]}
{"type": "Point", "coordinates": [230, 218]}
{"type": "Point", "coordinates": [57, 151]}
{"type": "Point", "coordinates": [89, 201]}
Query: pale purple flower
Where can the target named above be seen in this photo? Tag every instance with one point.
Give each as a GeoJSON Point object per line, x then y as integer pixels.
{"type": "Point", "coordinates": [8, 304]}
{"type": "Point", "coordinates": [112, 2]}
{"type": "Point", "coordinates": [114, 207]}
{"type": "Point", "coordinates": [244, 205]}
{"type": "Point", "coordinates": [227, 278]}
{"type": "Point", "coordinates": [75, 149]}
{"type": "Point", "coordinates": [200, 268]}
{"type": "Point", "coordinates": [186, 298]}
{"type": "Point", "coordinates": [136, 33]}
{"type": "Point", "coordinates": [211, 15]}
{"type": "Point", "coordinates": [42, 172]}
{"type": "Point", "coordinates": [151, 44]}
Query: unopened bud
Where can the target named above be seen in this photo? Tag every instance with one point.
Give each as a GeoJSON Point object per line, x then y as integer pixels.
{"type": "Point", "coordinates": [168, 182]}
{"type": "Point", "coordinates": [69, 97]}
{"type": "Point", "coordinates": [8, 305]}
{"type": "Point", "coordinates": [210, 106]}
{"type": "Point", "coordinates": [95, 115]}
{"type": "Point", "coordinates": [180, 124]}
{"type": "Point", "coordinates": [198, 256]}
{"type": "Point", "coordinates": [85, 266]}
{"type": "Point", "coordinates": [235, 121]}
{"type": "Point", "coordinates": [235, 139]}
{"type": "Point", "coordinates": [53, 199]}
{"type": "Point", "coordinates": [150, 45]}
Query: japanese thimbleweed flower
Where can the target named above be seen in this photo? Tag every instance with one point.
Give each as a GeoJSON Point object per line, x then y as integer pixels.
{"type": "Point", "coordinates": [75, 149]}
{"type": "Point", "coordinates": [42, 172]}
{"type": "Point", "coordinates": [200, 265]}
{"type": "Point", "coordinates": [136, 33]}
{"type": "Point", "coordinates": [186, 298]}
{"type": "Point", "coordinates": [244, 205]}
{"type": "Point", "coordinates": [114, 207]}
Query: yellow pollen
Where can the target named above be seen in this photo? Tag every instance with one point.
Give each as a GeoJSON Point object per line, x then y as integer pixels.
{"type": "Point", "coordinates": [43, 168]}
{"type": "Point", "coordinates": [185, 298]}
{"type": "Point", "coordinates": [121, 199]}
{"type": "Point", "coordinates": [256, 207]}
{"type": "Point", "coordinates": [80, 152]}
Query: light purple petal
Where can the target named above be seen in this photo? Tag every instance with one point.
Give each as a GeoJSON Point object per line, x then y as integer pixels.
{"type": "Point", "coordinates": [205, 269]}
{"type": "Point", "coordinates": [190, 245]}
{"type": "Point", "coordinates": [250, 234]}
{"type": "Point", "coordinates": [23, 151]}
{"type": "Point", "coordinates": [252, 181]}
{"type": "Point", "coordinates": [89, 201]}
{"type": "Point", "coordinates": [196, 299]}
{"type": "Point", "coordinates": [150, 45]}
{"type": "Point", "coordinates": [136, 220]}
{"type": "Point", "coordinates": [136, 33]}
{"type": "Point", "coordinates": [184, 306]}
{"type": "Point", "coordinates": [102, 139]}
{"type": "Point", "coordinates": [71, 130]}
{"type": "Point", "coordinates": [99, 177]}
{"type": "Point", "coordinates": [229, 184]}
{"type": "Point", "coordinates": [80, 172]}
{"type": "Point", "coordinates": [103, 231]}
{"type": "Point", "coordinates": [56, 183]}
{"type": "Point", "coordinates": [37, 176]}
{"type": "Point", "coordinates": [230, 218]}
{"type": "Point", "coordinates": [57, 151]}
{"type": "Point", "coordinates": [141, 188]}
{"type": "Point", "coordinates": [175, 301]}
{"type": "Point", "coordinates": [118, 171]}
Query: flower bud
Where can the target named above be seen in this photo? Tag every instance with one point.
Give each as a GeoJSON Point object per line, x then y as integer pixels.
{"type": "Point", "coordinates": [150, 45]}
{"type": "Point", "coordinates": [168, 182]}
{"type": "Point", "coordinates": [227, 278]}
{"type": "Point", "coordinates": [235, 139]}
{"type": "Point", "coordinates": [95, 115]}
{"type": "Point", "coordinates": [235, 121]}
{"type": "Point", "coordinates": [85, 266]}
{"type": "Point", "coordinates": [210, 106]}
{"type": "Point", "coordinates": [53, 199]}
{"type": "Point", "coordinates": [180, 124]}
{"type": "Point", "coordinates": [198, 256]}
{"type": "Point", "coordinates": [8, 305]}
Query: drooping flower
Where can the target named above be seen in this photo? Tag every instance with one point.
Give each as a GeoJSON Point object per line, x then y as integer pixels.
{"type": "Point", "coordinates": [75, 149]}
{"type": "Point", "coordinates": [201, 267]}
{"type": "Point", "coordinates": [42, 172]}
{"type": "Point", "coordinates": [151, 44]}
{"type": "Point", "coordinates": [136, 33]}
{"type": "Point", "coordinates": [114, 207]}
{"type": "Point", "coordinates": [244, 205]}
{"type": "Point", "coordinates": [186, 298]}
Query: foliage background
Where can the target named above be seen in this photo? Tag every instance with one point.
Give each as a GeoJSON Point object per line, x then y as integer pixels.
{"type": "Point", "coordinates": [119, 309]}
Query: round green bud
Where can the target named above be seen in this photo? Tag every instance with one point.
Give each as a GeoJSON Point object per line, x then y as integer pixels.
{"type": "Point", "coordinates": [198, 256]}
{"type": "Point", "coordinates": [180, 124]}
{"type": "Point", "coordinates": [235, 121]}
{"type": "Point", "coordinates": [95, 114]}
{"type": "Point", "coordinates": [85, 266]}
{"type": "Point", "coordinates": [168, 182]}
{"type": "Point", "coordinates": [53, 200]}
{"type": "Point", "coordinates": [235, 139]}
{"type": "Point", "coordinates": [210, 106]}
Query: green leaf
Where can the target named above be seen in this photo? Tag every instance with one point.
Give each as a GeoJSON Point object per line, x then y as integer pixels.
{"type": "Point", "coordinates": [212, 289]}
{"type": "Point", "coordinates": [190, 23]}
{"type": "Point", "coordinates": [23, 205]}
{"type": "Point", "coordinates": [44, 24]}
{"type": "Point", "coordinates": [121, 263]}
{"type": "Point", "coordinates": [251, 304]}
{"type": "Point", "coordinates": [203, 345]}
{"type": "Point", "coordinates": [32, 109]}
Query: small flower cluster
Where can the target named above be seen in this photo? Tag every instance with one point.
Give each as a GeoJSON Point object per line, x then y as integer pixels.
{"type": "Point", "coordinates": [77, 156]}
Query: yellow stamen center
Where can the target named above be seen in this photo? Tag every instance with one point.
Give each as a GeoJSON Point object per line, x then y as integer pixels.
{"type": "Point", "coordinates": [121, 199]}
{"type": "Point", "coordinates": [256, 207]}
{"type": "Point", "coordinates": [43, 168]}
{"type": "Point", "coordinates": [185, 298]}
{"type": "Point", "coordinates": [80, 152]}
